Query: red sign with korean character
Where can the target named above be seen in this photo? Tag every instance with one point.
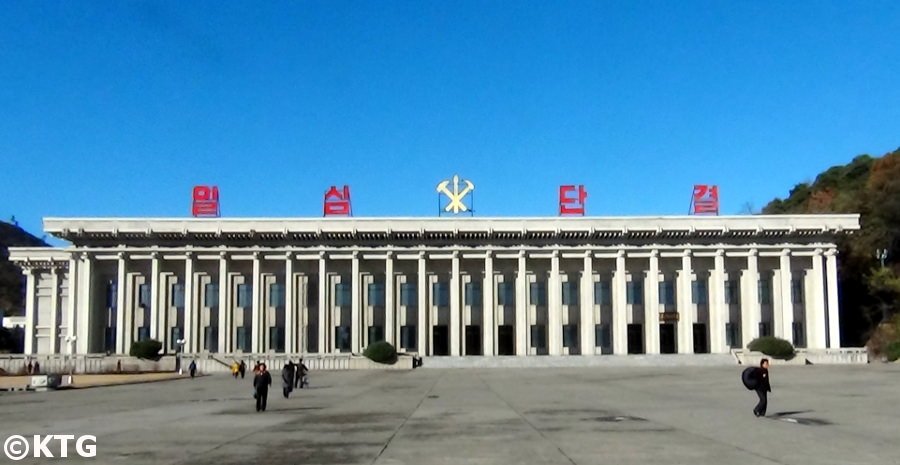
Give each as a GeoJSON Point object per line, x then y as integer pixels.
{"type": "Point", "coordinates": [205, 201]}
{"type": "Point", "coordinates": [571, 200]}
{"type": "Point", "coordinates": [705, 200]}
{"type": "Point", "coordinates": [337, 202]}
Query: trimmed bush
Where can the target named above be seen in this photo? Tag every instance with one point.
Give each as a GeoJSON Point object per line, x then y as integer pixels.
{"type": "Point", "coordinates": [148, 349]}
{"type": "Point", "coordinates": [773, 347]}
{"type": "Point", "coordinates": [893, 351]}
{"type": "Point", "coordinates": [381, 352]}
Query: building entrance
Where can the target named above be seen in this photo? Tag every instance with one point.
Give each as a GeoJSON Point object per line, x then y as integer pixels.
{"type": "Point", "coordinates": [667, 338]}
{"type": "Point", "coordinates": [506, 340]}
{"type": "Point", "coordinates": [473, 340]}
{"type": "Point", "coordinates": [441, 340]}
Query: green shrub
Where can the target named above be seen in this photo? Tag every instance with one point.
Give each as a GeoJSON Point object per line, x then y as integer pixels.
{"type": "Point", "coordinates": [773, 347]}
{"type": "Point", "coordinates": [381, 352]}
{"type": "Point", "coordinates": [148, 348]}
{"type": "Point", "coordinates": [893, 351]}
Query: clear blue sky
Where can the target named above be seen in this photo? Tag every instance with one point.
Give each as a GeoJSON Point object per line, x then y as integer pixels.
{"type": "Point", "coordinates": [119, 108]}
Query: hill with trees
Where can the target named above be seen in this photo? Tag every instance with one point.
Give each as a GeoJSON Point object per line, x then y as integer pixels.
{"type": "Point", "coordinates": [11, 280]}
{"type": "Point", "coordinates": [869, 292]}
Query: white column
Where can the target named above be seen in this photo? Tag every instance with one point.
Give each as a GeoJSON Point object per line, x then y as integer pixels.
{"type": "Point", "coordinates": [834, 328]}
{"type": "Point", "coordinates": [323, 305]}
{"type": "Point", "coordinates": [390, 311]}
{"type": "Point", "coordinates": [620, 307]}
{"type": "Point", "coordinates": [685, 306]}
{"type": "Point", "coordinates": [154, 296]}
{"type": "Point", "coordinates": [455, 307]}
{"type": "Point", "coordinates": [224, 307]}
{"type": "Point", "coordinates": [72, 304]}
{"type": "Point", "coordinates": [521, 308]}
{"type": "Point", "coordinates": [586, 310]}
{"type": "Point", "coordinates": [120, 304]}
{"type": "Point", "coordinates": [422, 306]}
{"type": "Point", "coordinates": [786, 321]}
{"type": "Point", "coordinates": [290, 319]}
{"type": "Point", "coordinates": [717, 307]}
{"type": "Point", "coordinates": [356, 318]}
{"type": "Point", "coordinates": [84, 316]}
{"type": "Point", "coordinates": [554, 307]}
{"type": "Point", "coordinates": [651, 305]}
{"type": "Point", "coordinates": [190, 319]}
{"type": "Point", "coordinates": [815, 306]}
{"type": "Point", "coordinates": [487, 308]}
{"type": "Point", "coordinates": [30, 313]}
{"type": "Point", "coordinates": [750, 313]}
{"type": "Point", "coordinates": [256, 338]}
{"type": "Point", "coordinates": [54, 314]}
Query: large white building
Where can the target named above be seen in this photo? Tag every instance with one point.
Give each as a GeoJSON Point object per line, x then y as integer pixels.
{"type": "Point", "coordinates": [435, 286]}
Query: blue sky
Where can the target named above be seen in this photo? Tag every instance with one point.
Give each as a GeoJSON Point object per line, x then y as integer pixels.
{"type": "Point", "coordinates": [119, 108]}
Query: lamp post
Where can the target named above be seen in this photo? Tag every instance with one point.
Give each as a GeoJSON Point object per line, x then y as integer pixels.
{"type": "Point", "coordinates": [70, 340]}
{"type": "Point", "coordinates": [881, 255]}
{"type": "Point", "coordinates": [179, 347]}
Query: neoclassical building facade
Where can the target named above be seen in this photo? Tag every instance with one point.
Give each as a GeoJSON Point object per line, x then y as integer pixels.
{"type": "Point", "coordinates": [435, 286]}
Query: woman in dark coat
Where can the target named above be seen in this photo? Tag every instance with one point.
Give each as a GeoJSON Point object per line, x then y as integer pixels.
{"type": "Point", "coordinates": [287, 379]}
{"type": "Point", "coordinates": [261, 383]}
{"type": "Point", "coordinates": [762, 388]}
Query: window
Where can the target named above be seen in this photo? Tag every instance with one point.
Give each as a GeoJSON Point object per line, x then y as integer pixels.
{"type": "Point", "coordinates": [178, 295]}
{"type": "Point", "coordinates": [144, 295]}
{"type": "Point", "coordinates": [174, 336]}
{"type": "Point", "coordinates": [799, 340]}
{"type": "Point", "coordinates": [408, 337]}
{"type": "Point", "coordinates": [764, 289]}
{"type": "Point", "coordinates": [276, 338]}
{"type": "Point", "coordinates": [342, 295]}
{"type": "Point", "coordinates": [732, 338]}
{"type": "Point", "coordinates": [732, 292]}
{"type": "Point", "coordinates": [143, 333]}
{"type": "Point", "coordinates": [473, 294]}
{"type": "Point", "coordinates": [276, 295]}
{"type": "Point", "coordinates": [211, 297]}
{"type": "Point", "coordinates": [243, 339]}
{"type": "Point", "coordinates": [312, 294]}
{"type": "Point", "coordinates": [699, 292]}
{"type": "Point", "coordinates": [376, 294]}
{"type": "Point", "coordinates": [538, 294]}
{"type": "Point", "coordinates": [342, 339]}
{"type": "Point", "coordinates": [634, 293]}
{"type": "Point", "coordinates": [408, 295]}
{"type": "Point", "coordinates": [797, 290]}
{"type": "Point", "coordinates": [245, 295]}
{"type": "Point", "coordinates": [570, 293]}
{"type": "Point", "coordinates": [441, 293]}
{"type": "Point", "coordinates": [601, 335]}
{"type": "Point", "coordinates": [602, 293]}
{"type": "Point", "coordinates": [539, 336]}
{"type": "Point", "coordinates": [765, 329]}
{"type": "Point", "coordinates": [506, 293]}
{"type": "Point", "coordinates": [111, 294]}
{"type": "Point", "coordinates": [376, 333]}
{"type": "Point", "coordinates": [667, 292]}
{"type": "Point", "coordinates": [570, 336]}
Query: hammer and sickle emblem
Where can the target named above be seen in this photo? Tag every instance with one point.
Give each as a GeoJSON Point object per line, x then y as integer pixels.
{"type": "Point", "coordinates": [456, 196]}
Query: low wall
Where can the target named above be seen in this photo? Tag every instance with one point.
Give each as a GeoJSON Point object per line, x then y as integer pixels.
{"type": "Point", "coordinates": [843, 356]}
{"type": "Point", "coordinates": [92, 363]}
{"type": "Point", "coordinates": [562, 361]}
{"type": "Point", "coordinates": [221, 363]}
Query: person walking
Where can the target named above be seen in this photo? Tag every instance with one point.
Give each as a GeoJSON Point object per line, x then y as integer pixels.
{"type": "Point", "coordinates": [234, 369]}
{"type": "Point", "coordinates": [763, 388]}
{"type": "Point", "coordinates": [301, 377]}
{"type": "Point", "coordinates": [287, 379]}
{"type": "Point", "coordinates": [192, 368]}
{"type": "Point", "coordinates": [261, 382]}
{"type": "Point", "coordinates": [242, 368]}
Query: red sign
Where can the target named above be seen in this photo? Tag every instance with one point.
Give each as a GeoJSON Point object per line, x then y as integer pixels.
{"type": "Point", "coordinates": [337, 203]}
{"type": "Point", "coordinates": [705, 199]}
{"type": "Point", "coordinates": [571, 200]}
{"type": "Point", "coordinates": [205, 201]}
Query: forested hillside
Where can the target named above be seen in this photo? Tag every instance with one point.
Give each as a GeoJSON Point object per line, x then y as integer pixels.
{"type": "Point", "coordinates": [869, 186]}
{"type": "Point", "coordinates": [11, 280]}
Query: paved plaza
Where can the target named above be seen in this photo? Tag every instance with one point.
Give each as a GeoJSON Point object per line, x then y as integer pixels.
{"type": "Point", "coordinates": [609, 415]}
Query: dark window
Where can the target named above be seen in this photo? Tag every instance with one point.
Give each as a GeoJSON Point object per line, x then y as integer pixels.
{"type": "Point", "coordinates": [111, 294]}
{"type": "Point", "coordinates": [178, 295]}
{"type": "Point", "coordinates": [506, 293]}
{"type": "Point", "coordinates": [570, 336]}
{"type": "Point", "coordinates": [634, 293]}
{"type": "Point", "coordinates": [441, 293]}
{"type": "Point", "coordinates": [473, 294]}
{"type": "Point", "coordinates": [276, 295]}
{"type": "Point", "coordinates": [312, 294]}
{"type": "Point", "coordinates": [797, 290]}
{"type": "Point", "coordinates": [603, 293]}
{"type": "Point", "coordinates": [408, 295]}
{"type": "Point", "coordinates": [245, 295]}
{"type": "Point", "coordinates": [376, 333]}
{"type": "Point", "coordinates": [211, 297]}
{"type": "Point", "coordinates": [342, 339]}
{"type": "Point", "coordinates": [342, 293]}
{"type": "Point", "coordinates": [243, 339]}
{"type": "Point", "coordinates": [699, 292]}
{"type": "Point", "coordinates": [799, 334]}
{"type": "Point", "coordinates": [174, 335]}
{"type": "Point", "coordinates": [667, 292]}
{"type": "Point", "coordinates": [538, 294]}
{"type": "Point", "coordinates": [376, 294]}
{"type": "Point", "coordinates": [144, 295]}
{"type": "Point", "coordinates": [276, 338]}
{"type": "Point", "coordinates": [732, 336]}
{"type": "Point", "coordinates": [408, 337]}
{"type": "Point", "coordinates": [764, 290]}
{"type": "Point", "coordinates": [570, 293]}
{"type": "Point", "coordinates": [601, 335]}
{"type": "Point", "coordinates": [143, 333]}
{"type": "Point", "coordinates": [539, 336]}
{"type": "Point", "coordinates": [765, 329]}
{"type": "Point", "coordinates": [732, 292]}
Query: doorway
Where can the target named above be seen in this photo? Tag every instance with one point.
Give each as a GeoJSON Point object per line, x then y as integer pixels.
{"type": "Point", "coordinates": [473, 340]}
{"type": "Point", "coordinates": [506, 340]}
{"type": "Point", "coordinates": [667, 338]}
{"type": "Point", "coordinates": [441, 339]}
